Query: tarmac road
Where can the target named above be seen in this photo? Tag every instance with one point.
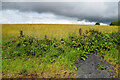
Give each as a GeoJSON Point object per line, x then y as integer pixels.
{"type": "Point", "coordinates": [90, 68]}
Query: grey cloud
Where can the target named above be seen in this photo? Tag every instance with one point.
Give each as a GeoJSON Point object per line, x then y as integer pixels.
{"type": "Point", "coordinates": [92, 11]}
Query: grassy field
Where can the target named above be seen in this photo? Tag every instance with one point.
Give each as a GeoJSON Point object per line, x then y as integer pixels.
{"type": "Point", "coordinates": [36, 56]}
{"type": "Point", "coordinates": [51, 30]}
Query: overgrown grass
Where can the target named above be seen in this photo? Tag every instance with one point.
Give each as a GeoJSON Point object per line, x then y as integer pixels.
{"type": "Point", "coordinates": [33, 57]}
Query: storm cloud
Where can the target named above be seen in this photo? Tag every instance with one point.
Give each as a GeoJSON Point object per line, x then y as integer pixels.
{"type": "Point", "coordinates": [104, 12]}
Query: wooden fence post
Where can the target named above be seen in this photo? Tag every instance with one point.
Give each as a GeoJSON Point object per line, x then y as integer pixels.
{"type": "Point", "coordinates": [21, 33]}
{"type": "Point", "coordinates": [45, 36]}
{"type": "Point", "coordinates": [80, 31]}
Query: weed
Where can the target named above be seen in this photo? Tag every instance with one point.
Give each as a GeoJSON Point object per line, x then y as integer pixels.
{"type": "Point", "coordinates": [102, 67]}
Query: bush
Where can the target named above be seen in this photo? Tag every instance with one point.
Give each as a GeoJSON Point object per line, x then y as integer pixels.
{"type": "Point", "coordinates": [91, 42]}
{"type": "Point", "coordinates": [115, 23]}
{"type": "Point", "coordinates": [97, 23]}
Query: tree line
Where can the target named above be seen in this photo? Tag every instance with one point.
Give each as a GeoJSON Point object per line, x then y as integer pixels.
{"type": "Point", "coordinates": [114, 23]}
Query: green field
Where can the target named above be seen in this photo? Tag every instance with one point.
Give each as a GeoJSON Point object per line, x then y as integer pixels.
{"type": "Point", "coordinates": [36, 56]}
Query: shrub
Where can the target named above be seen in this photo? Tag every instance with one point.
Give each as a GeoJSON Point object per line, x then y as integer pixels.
{"type": "Point", "coordinates": [115, 23]}
{"type": "Point", "coordinates": [97, 23]}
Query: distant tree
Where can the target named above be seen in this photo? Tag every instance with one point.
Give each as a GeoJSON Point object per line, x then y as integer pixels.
{"type": "Point", "coordinates": [111, 24]}
{"type": "Point", "coordinates": [97, 23]}
{"type": "Point", "coordinates": [115, 23]}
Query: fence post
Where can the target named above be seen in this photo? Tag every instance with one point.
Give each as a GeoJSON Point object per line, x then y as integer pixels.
{"type": "Point", "coordinates": [45, 36]}
{"type": "Point", "coordinates": [21, 33]}
{"type": "Point", "coordinates": [80, 31]}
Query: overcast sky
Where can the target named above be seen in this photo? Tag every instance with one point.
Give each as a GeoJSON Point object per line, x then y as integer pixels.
{"type": "Point", "coordinates": [59, 12]}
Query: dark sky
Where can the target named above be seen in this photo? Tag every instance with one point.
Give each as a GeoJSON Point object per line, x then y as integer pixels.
{"type": "Point", "coordinates": [104, 12]}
